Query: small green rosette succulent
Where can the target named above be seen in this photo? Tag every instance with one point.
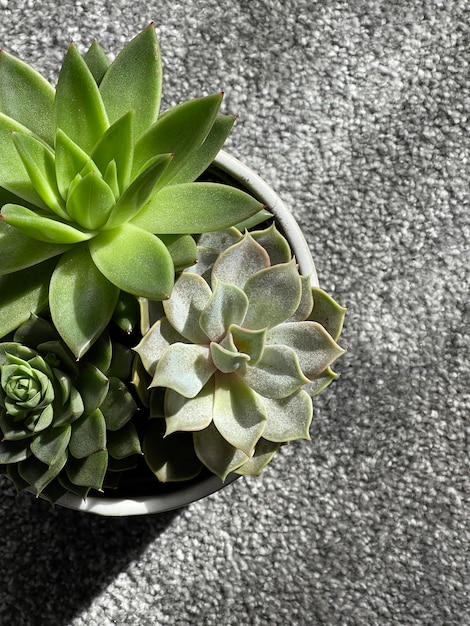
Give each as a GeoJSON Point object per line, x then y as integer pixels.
{"type": "Point", "coordinates": [97, 190]}
{"type": "Point", "coordinates": [244, 344]}
{"type": "Point", "coordinates": [64, 426]}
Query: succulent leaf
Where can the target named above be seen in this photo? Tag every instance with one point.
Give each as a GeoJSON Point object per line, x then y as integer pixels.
{"type": "Point", "coordinates": [194, 208]}
{"type": "Point", "coordinates": [227, 305]}
{"type": "Point", "coordinates": [154, 278]}
{"type": "Point", "coordinates": [277, 374]}
{"type": "Point", "coordinates": [180, 131]}
{"type": "Point", "coordinates": [274, 294]}
{"type": "Point", "coordinates": [153, 344]}
{"type": "Point", "coordinates": [250, 342]}
{"type": "Point", "coordinates": [264, 453]}
{"type": "Point", "coordinates": [118, 406]}
{"type": "Point", "coordinates": [327, 312]}
{"type": "Point", "coordinates": [289, 418]}
{"type": "Point", "coordinates": [170, 458]}
{"type": "Point", "coordinates": [189, 298]}
{"type": "Point", "coordinates": [182, 248]}
{"type": "Point", "coordinates": [239, 262]}
{"type": "Point", "coordinates": [189, 415]}
{"type": "Point", "coordinates": [116, 145]}
{"type": "Point", "coordinates": [274, 243]}
{"type": "Point", "coordinates": [239, 414]}
{"type": "Point", "coordinates": [13, 175]}
{"type": "Point", "coordinates": [23, 293]}
{"type": "Point", "coordinates": [124, 443]}
{"type": "Point", "coordinates": [216, 453]}
{"type": "Point", "coordinates": [70, 160]}
{"type": "Point", "coordinates": [18, 251]}
{"type": "Point", "coordinates": [88, 435]}
{"type": "Point", "coordinates": [306, 302]}
{"type": "Point", "coordinates": [39, 163]}
{"type": "Point", "coordinates": [201, 158]}
{"type": "Point", "coordinates": [186, 368]}
{"type": "Point", "coordinates": [89, 471]}
{"type": "Point", "coordinates": [90, 201]}
{"type": "Point", "coordinates": [315, 348]}
{"type": "Point", "coordinates": [37, 474]}
{"type": "Point", "coordinates": [135, 196]}
{"type": "Point", "coordinates": [97, 61]}
{"type": "Point", "coordinates": [321, 382]}
{"type": "Point", "coordinates": [50, 445]}
{"type": "Point", "coordinates": [79, 109]}
{"type": "Point", "coordinates": [26, 96]}
{"type": "Point", "coordinates": [226, 360]}
{"type": "Point", "coordinates": [81, 300]}
{"type": "Point", "coordinates": [133, 81]}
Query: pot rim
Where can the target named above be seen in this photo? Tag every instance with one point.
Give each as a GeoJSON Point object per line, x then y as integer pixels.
{"type": "Point", "coordinates": [144, 505]}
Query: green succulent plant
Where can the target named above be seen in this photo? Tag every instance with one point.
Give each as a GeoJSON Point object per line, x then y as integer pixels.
{"type": "Point", "coordinates": [65, 426]}
{"type": "Point", "coordinates": [97, 187]}
{"type": "Point", "coordinates": [244, 344]}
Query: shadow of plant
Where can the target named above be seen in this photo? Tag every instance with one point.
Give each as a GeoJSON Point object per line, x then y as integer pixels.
{"type": "Point", "coordinates": [54, 560]}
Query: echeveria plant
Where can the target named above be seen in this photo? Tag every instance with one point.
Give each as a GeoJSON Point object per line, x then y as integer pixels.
{"type": "Point", "coordinates": [244, 344]}
{"type": "Point", "coordinates": [65, 424]}
{"type": "Point", "coordinates": [97, 187]}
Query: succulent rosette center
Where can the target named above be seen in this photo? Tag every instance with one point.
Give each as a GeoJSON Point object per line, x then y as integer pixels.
{"type": "Point", "coordinates": [27, 386]}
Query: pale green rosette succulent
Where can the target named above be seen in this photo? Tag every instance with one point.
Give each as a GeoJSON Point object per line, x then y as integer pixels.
{"type": "Point", "coordinates": [243, 346]}
{"type": "Point", "coordinates": [97, 190]}
{"type": "Point", "coordinates": [64, 426]}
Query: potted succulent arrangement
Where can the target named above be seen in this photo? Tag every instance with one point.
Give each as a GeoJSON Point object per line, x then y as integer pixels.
{"type": "Point", "coordinates": [161, 327]}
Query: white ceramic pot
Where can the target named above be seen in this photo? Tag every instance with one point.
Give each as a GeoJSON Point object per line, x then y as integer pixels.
{"type": "Point", "coordinates": [183, 495]}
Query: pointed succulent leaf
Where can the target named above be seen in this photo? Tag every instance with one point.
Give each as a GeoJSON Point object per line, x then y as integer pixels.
{"type": "Point", "coordinates": [201, 158]}
{"type": "Point", "coordinates": [124, 442]}
{"type": "Point", "coordinates": [13, 175]}
{"type": "Point", "coordinates": [126, 313]}
{"type": "Point", "coordinates": [89, 471]}
{"type": "Point", "coordinates": [81, 300]}
{"type": "Point", "coordinates": [190, 295]}
{"type": "Point", "coordinates": [12, 430]}
{"type": "Point", "coordinates": [238, 413]}
{"type": "Point", "coordinates": [186, 368]}
{"type": "Point", "coordinates": [184, 414]}
{"type": "Point", "coordinates": [26, 96]}
{"type": "Point", "coordinates": [219, 240]}
{"type": "Point", "coordinates": [182, 248]}
{"type": "Point", "coordinates": [321, 382]}
{"type": "Point", "coordinates": [150, 312]}
{"type": "Point", "coordinates": [216, 453]}
{"type": "Point", "coordinates": [254, 220]}
{"type": "Point", "coordinates": [79, 109]}
{"type": "Point", "coordinates": [315, 348]}
{"type": "Point", "coordinates": [327, 312]}
{"type": "Point", "coordinates": [274, 243]}
{"type": "Point", "coordinates": [37, 474]}
{"type": "Point", "coordinates": [97, 61]}
{"type": "Point", "coordinates": [227, 305]}
{"type": "Point", "coordinates": [18, 251]}
{"type": "Point", "coordinates": [119, 406]}
{"type": "Point", "coordinates": [135, 196]}
{"type": "Point", "coordinates": [70, 160]}
{"type": "Point", "coordinates": [180, 131]}
{"type": "Point", "coordinates": [288, 418]}
{"type": "Point", "coordinates": [195, 208]}
{"type": "Point", "coordinates": [39, 162]}
{"type": "Point", "coordinates": [277, 374]}
{"type": "Point", "coordinates": [90, 201]}
{"type": "Point", "coordinates": [306, 301]}
{"type": "Point", "coordinates": [23, 293]}
{"type": "Point", "coordinates": [14, 451]}
{"type": "Point", "coordinates": [50, 445]}
{"type": "Point", "coordinates": [239, 262]}
{"type": "Point", "coordinates": [111, 179]}
{"type": "Point", "coordinates": [117, 145]}
{"type": "Point", "coordinates": [250, 342]}
{"type": "Point", "coordinates": [274, 294]}
{"type": "Point", "coordinates": [225, 360]}
{"type": "Point", "coordinates": [134, 81]}
{"type": "Point", "coordinates": [264, 453]}
{"type": "Point", "coordinates": [152, 345]}
{"type": "Point", "coordinates": [34, 332]}
{"type": "Point", "coordinates": [41, 227]}
{"type": "Point", "coordinates": [88, 435]}
{"type": "Point", "coordinates": [170, 458]}
{"type": "Point", "coordinates": [93, 386]}
{"type": "Point", "coordinates": [154, 278]}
